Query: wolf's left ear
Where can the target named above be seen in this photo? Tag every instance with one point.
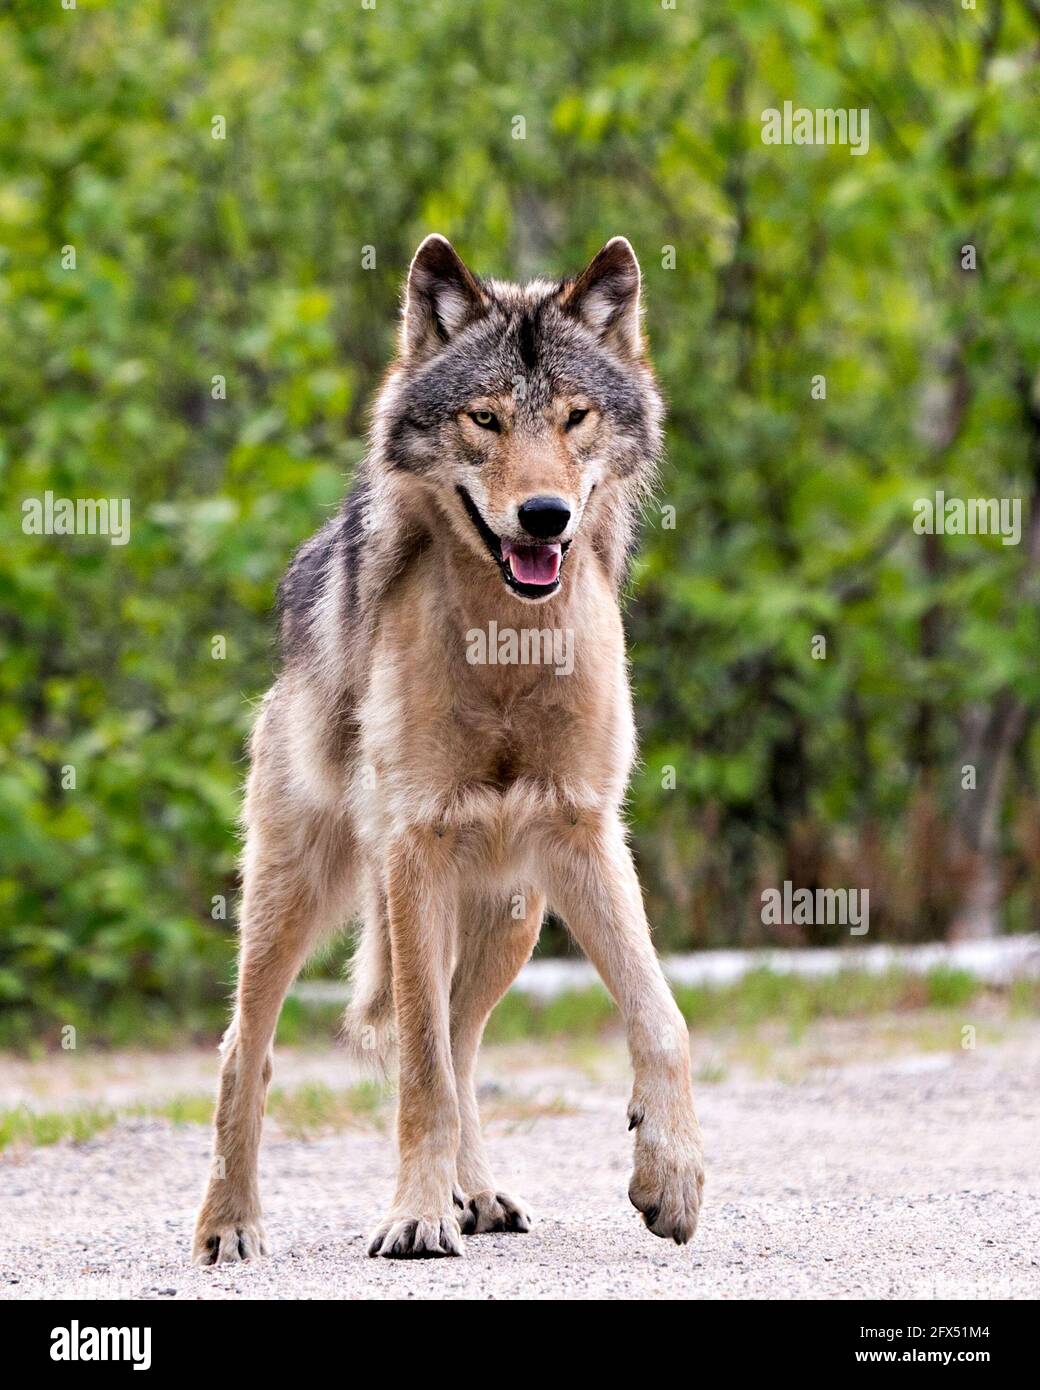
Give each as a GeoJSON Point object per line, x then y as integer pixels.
{"type": "Point", "coordinates": [605, 297]}
{"type": "Point", "coordinates": [441, 296]}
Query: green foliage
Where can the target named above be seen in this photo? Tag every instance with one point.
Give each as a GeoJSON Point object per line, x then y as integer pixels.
{"type": "Point", "coordinates": [242, 258]}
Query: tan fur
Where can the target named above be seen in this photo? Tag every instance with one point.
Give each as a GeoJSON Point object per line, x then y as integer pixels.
{"type": "Point", "coordinates": [448, 801]}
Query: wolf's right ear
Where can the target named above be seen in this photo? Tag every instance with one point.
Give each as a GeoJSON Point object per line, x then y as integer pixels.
{"type": "Point", "coordinates": [441, 296]}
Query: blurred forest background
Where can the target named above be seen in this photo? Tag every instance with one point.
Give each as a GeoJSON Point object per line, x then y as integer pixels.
{"type": "Point", "coordinates": [764, 266]}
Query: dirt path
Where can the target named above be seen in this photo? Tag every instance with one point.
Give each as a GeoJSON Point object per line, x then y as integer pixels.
{"type": "Point", "coordinates": [913, 1176]}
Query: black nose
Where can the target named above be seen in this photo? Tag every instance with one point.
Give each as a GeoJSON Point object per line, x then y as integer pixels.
{"type": "Point", "coordinates": [544, 517]}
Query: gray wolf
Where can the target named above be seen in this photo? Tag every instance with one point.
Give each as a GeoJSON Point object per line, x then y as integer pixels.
{"type": "Point", "coordinates": [444, 802]}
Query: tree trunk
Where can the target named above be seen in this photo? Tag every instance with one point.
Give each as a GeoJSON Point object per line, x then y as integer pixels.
{"type": "Point", "coordinates": [990, 736]}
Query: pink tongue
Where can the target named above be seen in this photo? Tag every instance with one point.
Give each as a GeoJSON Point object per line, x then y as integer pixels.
{"type": "Point", "coordinates": [532, 564]}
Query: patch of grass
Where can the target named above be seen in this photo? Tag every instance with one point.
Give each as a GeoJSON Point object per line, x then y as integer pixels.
{"type": "Point", "coordinates": [580, 1013]}
{"type": "Point", "coordinates": [512, 1020]}
{"type": "Point", "coordinates": [315, 1108]}
{"type": "Point", "coordinates": [132, 1022]}
{"type": "Point", "coordinates": [20, 1126]}
{"type": "Point", "coordinates": [761, 994]}
{"type": "Point", "coordinates": [948, 989]}
{"type": "Point", "coordinates": [1024, 997]}
{"type": "Point", "coordinates": [303, 1112]}
{"type": "Point", "coordinates": [181, 1110]}
{"type": "Point", "coordinates": [577, 1014]}
{"type": "Point", "coordinates": [798, 999]}
{"type": "Point", "coordinates": [514, 1111]}
{"type": "Point", "coordinates": [302, 1022]}
{"type": "Point", "coordinates": [710, 1073]}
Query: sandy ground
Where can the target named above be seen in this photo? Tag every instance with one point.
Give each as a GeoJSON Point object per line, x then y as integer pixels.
{"type": "Point", "coordinates": [865, 1171]}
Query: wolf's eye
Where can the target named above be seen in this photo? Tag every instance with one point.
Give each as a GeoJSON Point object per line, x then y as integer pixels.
{"type": "Point", "coordinates": [486, 419]}
{"type": "Point", "coordinates": [575, 418]}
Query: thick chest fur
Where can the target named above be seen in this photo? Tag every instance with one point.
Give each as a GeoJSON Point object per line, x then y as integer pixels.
{"type": "Point", "coordinates": [491, 718]}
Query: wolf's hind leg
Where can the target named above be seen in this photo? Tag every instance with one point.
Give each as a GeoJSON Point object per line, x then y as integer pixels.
{"type": "Point", "coordinates": [290, 899]}
{"type": "Point", "coordinates": [496, 937]}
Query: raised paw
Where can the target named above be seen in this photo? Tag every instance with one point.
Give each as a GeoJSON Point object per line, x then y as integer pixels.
{"type": "Point", "coordinates": [485, 1212]}
{"type": "Point", "coordinates": [667, 1184]}
{"type": "Point", "coordinates": [219, 1242]}
{"type": "Point", "coordinates": [417, 1238]}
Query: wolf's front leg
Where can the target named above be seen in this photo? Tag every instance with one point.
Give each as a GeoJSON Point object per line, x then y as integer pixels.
{"type": "Point", "coordinates": [422, 898]}
{"type": "Point", "coordinates": [592, 884]}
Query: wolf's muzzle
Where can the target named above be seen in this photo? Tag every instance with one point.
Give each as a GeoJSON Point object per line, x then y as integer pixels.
{"type": "Point", "coordinates": [530, 570]}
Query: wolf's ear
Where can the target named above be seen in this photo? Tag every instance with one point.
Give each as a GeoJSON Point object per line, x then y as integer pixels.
{"type": "Point", "coordinates": [605, 297]}
{"type": "Point", "coordinates": [441, 297]}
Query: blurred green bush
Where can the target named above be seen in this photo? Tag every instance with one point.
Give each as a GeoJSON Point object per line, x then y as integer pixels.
{"type": "Point", "coordinates": [242, 258]}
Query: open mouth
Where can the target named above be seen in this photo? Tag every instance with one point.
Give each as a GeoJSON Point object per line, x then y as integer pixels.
{"type": "Point", "coordinates": [533, 571]}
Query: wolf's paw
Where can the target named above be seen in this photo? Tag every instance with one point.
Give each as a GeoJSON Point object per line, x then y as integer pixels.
{"type": "Point", "coordinates": [219, 1242]}
{"type": "Point", "coordinates": [416, 1238]}
{"type": "Point", "coordinates": [667, 1184]}
{"type": "Point", "coordinates": [485, 1212]}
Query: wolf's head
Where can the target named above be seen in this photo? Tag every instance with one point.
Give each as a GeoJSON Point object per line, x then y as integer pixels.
{"type": "Point", "coordinates": [530, 413]}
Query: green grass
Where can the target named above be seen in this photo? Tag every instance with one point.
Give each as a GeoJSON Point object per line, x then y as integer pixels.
{"type": "Point", "coordinates": [761, 994]}
{"type": "Point", "coordinates": [758, 996]}
{"type": "Point", "coordinates": [581, 1016]}
{"type": "Point", "coordinates": [315, 1108]}
{"type": "Point", "coordinates": [24, 1127]}
{"type": "Point", "coordinates": [301, 1022]}
{"type": "Point", "coordinates": [1024, 997]}
{"type": "Point", "coordinates": [948, 989]}
{"type": "Point", "coordinates": [181, 1110]}
{"type": "Point", "coordinates": [303, 1112]}
{"type": "Point", "coordinates": [575, 1013]}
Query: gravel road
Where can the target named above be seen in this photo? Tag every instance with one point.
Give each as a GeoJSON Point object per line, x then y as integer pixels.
{"type": "Point", "coordinates": [912, 1176]}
